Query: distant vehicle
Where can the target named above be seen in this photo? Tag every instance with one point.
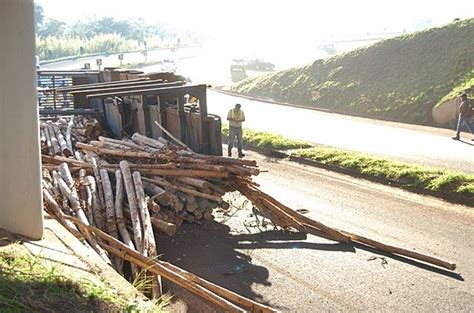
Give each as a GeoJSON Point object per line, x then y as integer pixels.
{"type": "Point", "coordinates": [237, 65]}
{"type": "Point", "coordinates": [237, 70]}
{"type": "Point", "coordinates": [259, 65]}
{"type": "Point", "coordinates": [168, 66]}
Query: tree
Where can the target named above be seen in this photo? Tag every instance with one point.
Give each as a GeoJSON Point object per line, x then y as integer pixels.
{"type": "Point", "coordinates": [52, 27]}
{"type": "Point", "coordinates": [39, 16]}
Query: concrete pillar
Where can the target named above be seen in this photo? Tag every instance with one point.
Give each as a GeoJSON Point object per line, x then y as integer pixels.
{"type": "Point", "coordinates": [20, 168]}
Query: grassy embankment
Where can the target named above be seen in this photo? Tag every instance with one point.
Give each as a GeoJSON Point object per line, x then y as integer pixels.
{"type": "Point", "coordinates": [406, 175]}
{"type": "Point", "coordinates": [30, 284]}
{"type": "Point", "coordinates": [399, 79]}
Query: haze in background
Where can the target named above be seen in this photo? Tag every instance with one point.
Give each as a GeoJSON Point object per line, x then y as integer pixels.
{"type": "Point", "coordinates": [288, 33]}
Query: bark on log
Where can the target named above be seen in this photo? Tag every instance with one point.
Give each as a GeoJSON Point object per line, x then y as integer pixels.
{"type": "Point", "coordinates": [118, 206]}
{"type": "Point", "coordinates": [165, 227]}
{"type": "Point", "coordinates": [157, 193]}
{"type": "Point", "coordinates": [133, 205]}
{"type": "Point", "coordinates": [148, 235]}
{"type": "Point", "coordinates": [68, 133]}
{"type": "Point", "coordinates": [62, 143]}
{"type": "Point", "coordinates": [100, 188]}
{"type": "Point", "coordinates": [174, 138]}
{"type": "Point", "coordinates": [130, 144]}
{"type": "Point", "coordinates": [54, 140]}
{"type": "Point", "coordinates": [71, 195]}
{"type": "Point", "coordinates": [97, 210]}
{"type": "Point", "coordinates": [111, 225]}
{"type": "Point", "coordinates": [146, 141]}
{"type": "Point", "coordinates": [195, 182]}
{"type": "Point", "coordinates": [48, 141]}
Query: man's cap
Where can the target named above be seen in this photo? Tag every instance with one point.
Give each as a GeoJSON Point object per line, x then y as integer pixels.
{"type": "Point", "coordinates": [463, 95]}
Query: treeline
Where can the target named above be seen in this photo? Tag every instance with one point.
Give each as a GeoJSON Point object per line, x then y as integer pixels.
{"type": "Point", "coordinates": [56, 39]}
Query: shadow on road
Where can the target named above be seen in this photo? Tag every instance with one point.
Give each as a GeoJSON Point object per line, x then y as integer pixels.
{"type": "Point", "coordinates": [211, 251]}
{"type": "Point", "coordinates": [466, 142]}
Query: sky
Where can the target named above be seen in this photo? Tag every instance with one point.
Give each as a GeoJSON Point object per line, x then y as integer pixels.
{"type": "Point", "coordinates": [265, 24]}
{"type": "Point", "coordinates": [336, 16]}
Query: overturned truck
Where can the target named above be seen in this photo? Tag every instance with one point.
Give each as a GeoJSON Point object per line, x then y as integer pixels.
{"type": "Point", "coordinates": [130, 101]}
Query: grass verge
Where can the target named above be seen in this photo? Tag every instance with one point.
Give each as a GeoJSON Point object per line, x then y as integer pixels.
{"type": "Point", "coordinates": [406, 175]}
{"type": "Point", "coordinates": [30, 284]}
{"type": "Point", "coordinates": [430, 179]}
{"type": "Point", "coordinates": [266, 140]}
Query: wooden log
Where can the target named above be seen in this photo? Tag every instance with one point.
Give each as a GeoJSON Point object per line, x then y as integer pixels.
{"type": "Point", "coordinates": [166, 184]}
{"type": "Point", "coordinates": [56, 211]}
{"type": "Point", "coordinates": [182, 173]}
{"type": "Point", "coordinates": [97, 209]}
{"type": "Point", "coordinates": [71, 195]}
{"type": "Point", "coordinates": [111, 225]}
{"type": "Point", "coordinates": [45, 159]}
{"type": "Point", "coordinates": [133, 205]}
{"type": "Point", "coordinates": [118, 206]}
{"type": "Point", "coordinates": [197, 214]}
{"type": "Point", "coordinates": [62, 143]}
{"type": "Point", "coordinates": [54, 140]}
{"type": "Point", "coordinates": [165, 227]}
{"type": "Point", "coordinates": [86, 194]}
{"type": "Point", "coordinates": [207, 216]}
{"type": "Point", "coordinates": [146, 141]}
{"type": "Point", "coordinates": [49, 144]}
{"type": "Point", "coordinates": [225, 305]}
{"type": "Point", "coordinates": [178, 276]}
{"type": "Point", "coordinates": [148, 235]}
{"type": "Point", "coordinates": [120, 153]}
{"type": "Point", "coordinates": [191, 206]}
{"type": "Point", "coordinates": [338, 236]}
{"type": "Point", "coordinates": [225, 160]}
{"type": "Point", "coordinates": [400, 251]}
{"type": "Point", "coordinates": [66, 174]}
{"type": "Point", "coordinates": [204, 166]}
{"type": "Point", "coordinates": [153, 206]}
{"type": "Point", "coordinates": [68, 133]}
{"type": "Point", "coordinates": [195, 182]}
{"type": "Point", "coordinates": [157, 193]}
{"type": "Point", "coordinates": [130, 144]}
{"type": "Point", "coordinates": [174, 138]}
{"type": "Point", "coordinates": [79, 156]}
{"type": "Point", "coordinates": [187, 217]}
{"type": "Point", "coordinates": [100, 188]}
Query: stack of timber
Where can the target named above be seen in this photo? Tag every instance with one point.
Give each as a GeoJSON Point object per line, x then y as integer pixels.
{"type": "Point", "coordinates": [59, 137]}
{"type": "Point", "coordinates": [120, 194]}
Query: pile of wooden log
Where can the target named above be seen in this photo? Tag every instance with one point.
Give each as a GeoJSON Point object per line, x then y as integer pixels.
{"type": "Point", "coordinates": [120, 194]}
{"type": "Point", "coordinates": [59, 137]}
{"type": "Point", "coordinates": [133, 190]}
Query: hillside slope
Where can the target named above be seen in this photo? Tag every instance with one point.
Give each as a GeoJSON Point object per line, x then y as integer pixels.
{"type": "Point", "coordinates": [399, 79]}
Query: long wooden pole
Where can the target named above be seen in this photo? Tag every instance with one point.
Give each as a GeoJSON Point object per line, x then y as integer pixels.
{"type": "Point", "coordinates": [181, 277]}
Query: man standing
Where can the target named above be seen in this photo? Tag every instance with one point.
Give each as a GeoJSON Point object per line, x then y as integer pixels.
{"type": "Point", "coordinates": [465, 113]}
{"type": "Point", "coordinates": [235, 117]}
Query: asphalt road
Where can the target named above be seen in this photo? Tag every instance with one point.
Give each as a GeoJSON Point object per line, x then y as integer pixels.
{"type": "Point", "coordinates": [295, 274]}
{"type": "Point", "coordinates": [410, 143]}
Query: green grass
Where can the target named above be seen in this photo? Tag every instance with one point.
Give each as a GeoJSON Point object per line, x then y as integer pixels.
{"type": "Point", "coordinates": [266, 140]}
{"type": "Point", "coordinates": [399, 79]}
{"type": "Point", "coordinates": [408, 175]}
{"type": "Point", "coordinates": [29, 284]}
